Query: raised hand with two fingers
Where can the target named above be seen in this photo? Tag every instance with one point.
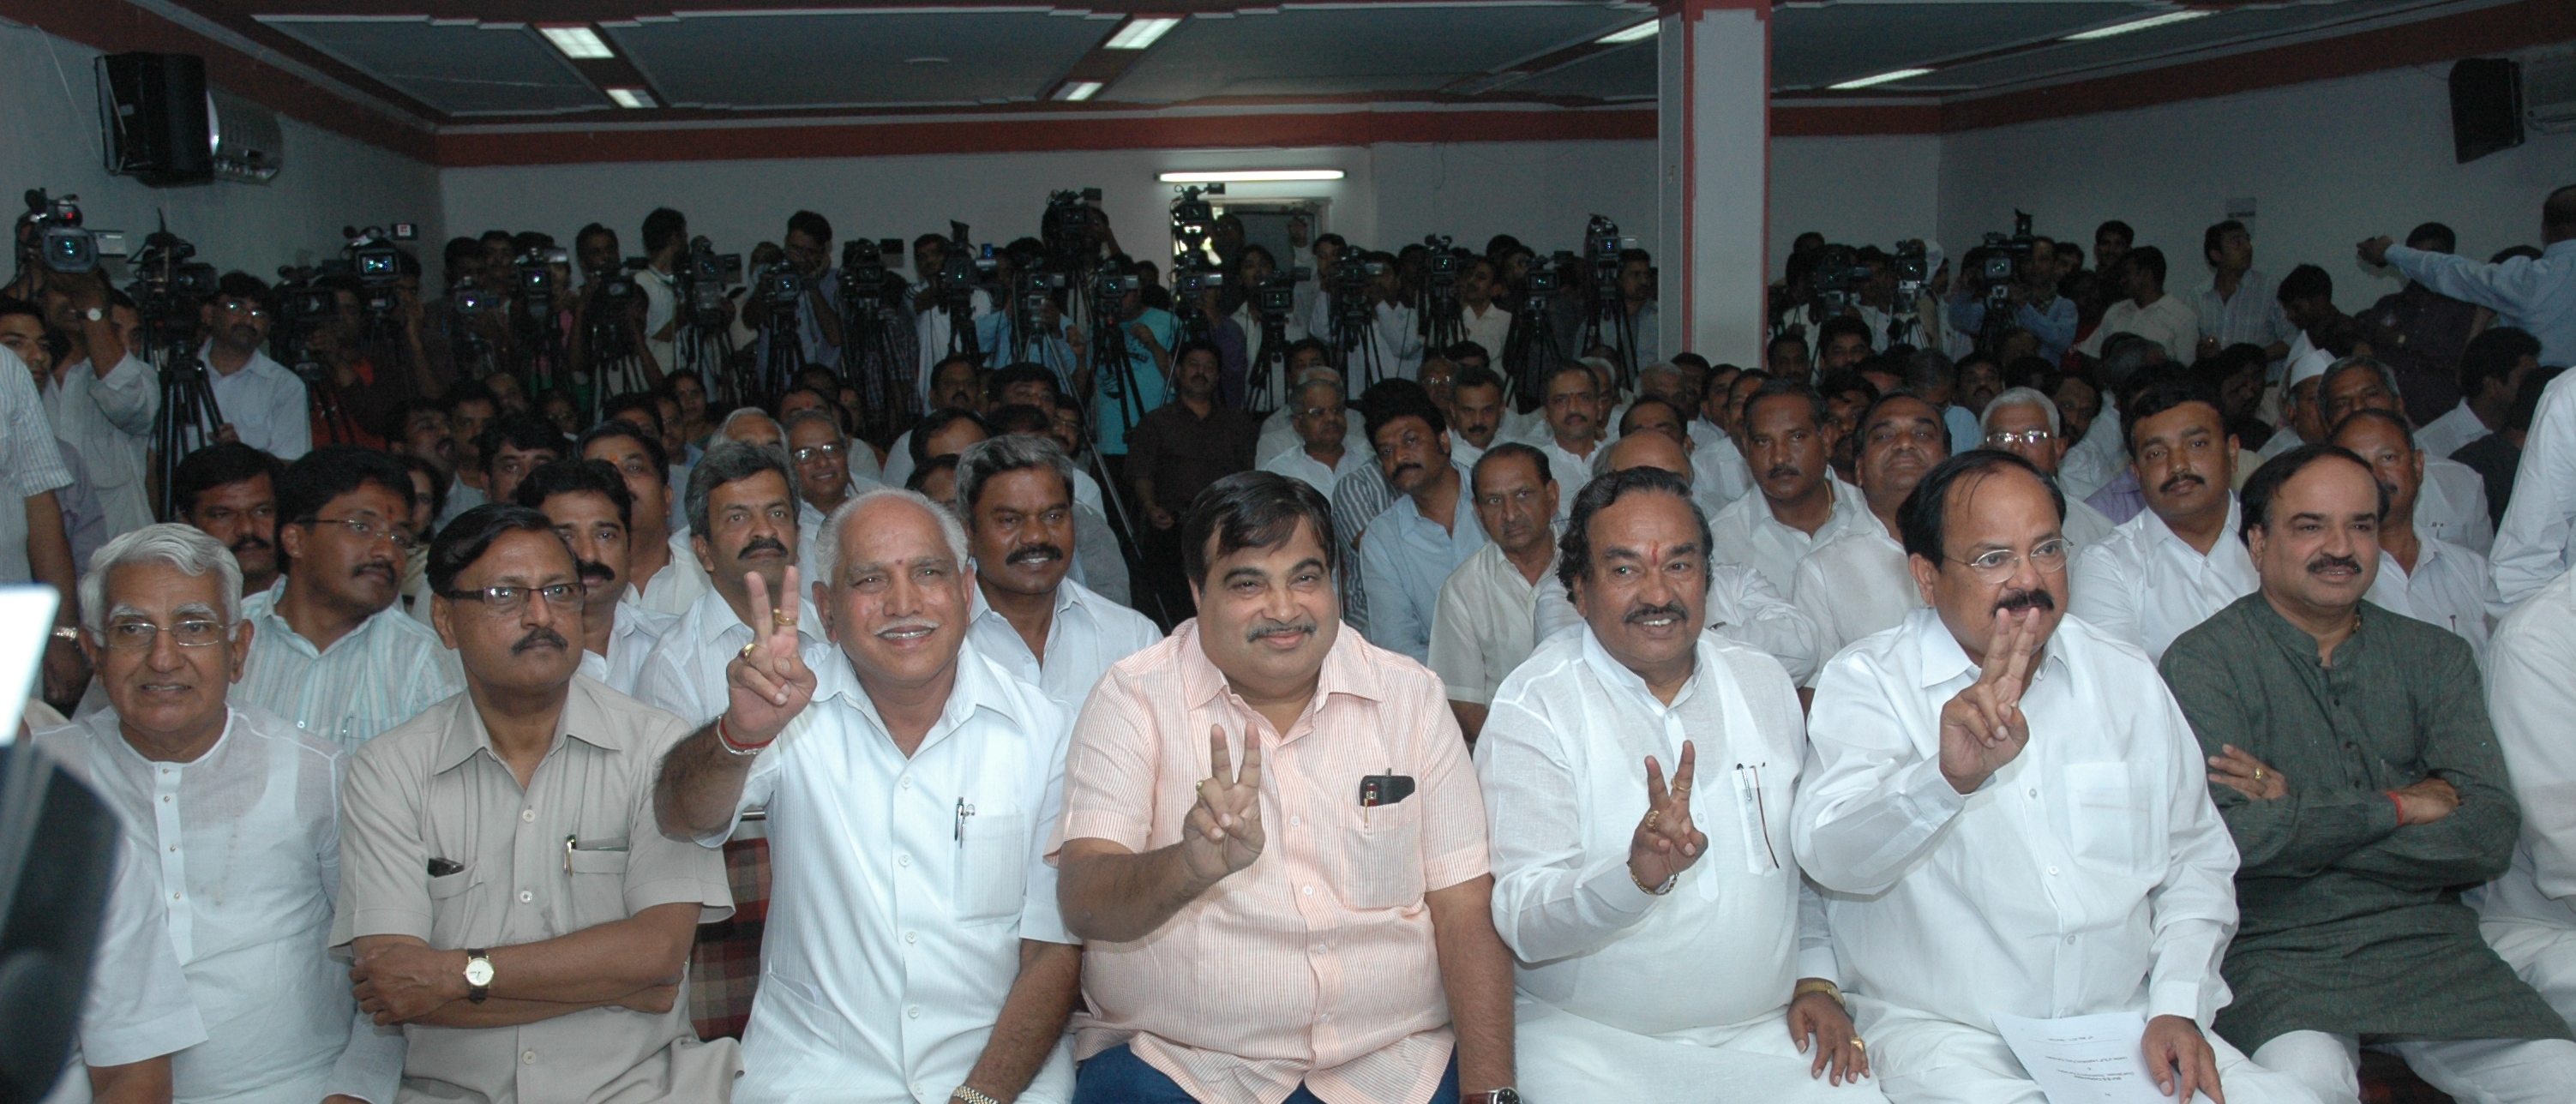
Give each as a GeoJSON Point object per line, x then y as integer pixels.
{"type": "Point", "coordinates": [1982, 727]}
{"type": "Point", "coordinates": [1665, 842]}
{"type": "Point", "coordinates": [1222, 833]}
{"type": "Point", "coordinates": [768, 684]}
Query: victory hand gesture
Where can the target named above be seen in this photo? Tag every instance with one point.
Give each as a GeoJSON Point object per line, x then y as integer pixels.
{"type": "Point", "coordinates": [1664, 843]}
{"type": "Point", "coordinates": [1223, 831]}
{"type": "Point", "coordinates": [1982, 727]}
{"type": "Point", "coordinates": [768, 684]}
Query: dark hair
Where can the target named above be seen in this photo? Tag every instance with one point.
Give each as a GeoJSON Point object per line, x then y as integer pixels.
{"type": "Point", "coordinates": [1840, 325]}
{"type": "Point", "coordinates": [1869, 413]}
{"type": "Point", "coordinates": [2493, 355]}
{"type": "Point", "coordinates": [222, 465]}
{"type": "Point", "coordinates": [1386, 402]}
{"type": "Point", "coordinates": [921, 473]}
{"type": "Point", "coordinates": [1021, 418]}
{"type": "Point", "coordinates": [2254, 501]}
{"type": "Point", "coordinates": [437, 482]}
{"type": "Point", "coordinates": [590, 231]}
{"type": "Point", "coordinates": [1308, 344]}
{"type": "Point", "coordinates": [2147, 257]}
{"type": "Point", "coordinates": [2115, 226]}
{"type": "Point", "coordinates": [633, 400]}
{"type": "Point", "coordinates": [2510, 252]}
{"type": "Point", "coordinates": [1025, 372]}
{"type": "Point", "coordinates": [1780, 339]}
{"type": "Point", "coordinates": [1468, 350]}
{"type": "Point", "coordinates": [1838, 385]}
{"type": "Point", "coordinates": [462, 392]}
{"type": "Point", "coordinates": [616, 427]}
{"type": "Point", "coordinates": [243, 285]}
{"type": "Point", "coordinates": [1254, 509]}
{"type": "Point", "coordinates": [1628, 417]}
{"type": "Point", "coordinates": [937, 422]}
{"type": "Point", "coordinates": [1928, 369]}
{"type": "Point", "coordinates": [1799, 389]}
{"type": "Point", "coordinates": [578, 477]}
{"type": "Point", "coordinates": [1922, 520]}
{"type": "Point", "coordinates": [467, 538]}
{"type": "Point", "coordinates": [1506, 450]}
{"type": "Point", "coordinates": [1198, 345]}
{"type": "Point", "coordinates": [2435, 232]}
{"type": "Point", "coordinates": [1575, 547]}
{"type": "Point", "coordinates": [525, 432]}
{"type": "Point", "coordinates": [663, 228]}
{"type": "Point", "coordinates": [1473, 377]}
{"type": "Point", "coordinates": [2161, 391]}
{"type": "Point", "coordinates": [779, 407]}
{"type": "Point", "coordinates": [2526, 402]}
{"type": "Point", "coordinates": [326, 473]}
{"type": "Point", "coordinates": [2211, 238]}
{"type": "Point", "coordinates": [1549, 380]}
{"type": "Point", "coordinates": [461, 253]}
{"type": "Point", "coordinates": [2305, 282]}
{"type": "Point", "coordinates": [2372, 413]}
{"type": "Point", "coordinates": [811, 225]}
{"type": "Point", "coordinates": [727, 462]}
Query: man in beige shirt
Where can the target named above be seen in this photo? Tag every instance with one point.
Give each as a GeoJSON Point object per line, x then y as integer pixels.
{"type": "Point", "coordinates": [505, 892]}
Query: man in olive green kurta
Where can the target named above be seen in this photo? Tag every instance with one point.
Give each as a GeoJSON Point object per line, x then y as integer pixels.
{"type": "Point", "coordinates": [2356, 767]}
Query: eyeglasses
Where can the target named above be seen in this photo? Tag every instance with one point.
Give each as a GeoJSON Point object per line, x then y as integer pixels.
{"type": "Point", "coordinates": [131, 636]}
{"type": "Point", "coordinates": [811, 453]}
{"type": "Point", "coordinates": [508, 601]}
{"type": "Point", "coordinates": [366, 530]}
{"type": "Point", "coordinates": [1998, 564]}
{"type": "Point", "coordinates": [2027, 437]}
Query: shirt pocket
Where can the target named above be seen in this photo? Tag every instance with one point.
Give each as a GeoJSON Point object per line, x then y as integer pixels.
{"type": "Point", "coordinates": [597, 872]}
{"type": "Point", "coordinates": [992, 875]}
{"type": "Point", "coordinates": [451, 909]}
{"type": "Point", "coordinates": [2106, 825]}
{"type": "Point", "coordinates": [1381, 853]}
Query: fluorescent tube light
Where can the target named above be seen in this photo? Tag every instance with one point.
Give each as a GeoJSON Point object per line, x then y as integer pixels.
{"type": "Point", "coordinates": [1141, 31]}
{"type": "Point", "coordinates": [1249, 176]}
{"type": "Point", "coordinates": [577, 41]}
{"type": "Point", "coordinates": [632, 97]}
{"type": "Point", "coordinates": [1077, 90]}
{"type": "Point", "coordinates": [2171, 17]}
{"type": "Point", "coordinates": [1645, 30]}
{"type": "Point", "coordinates": [1882, 78]}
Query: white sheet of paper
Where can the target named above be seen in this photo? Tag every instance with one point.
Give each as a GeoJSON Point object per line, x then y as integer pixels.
{"type": "Point", "coordinates": [26, 622]}
{"type": "Point", "coordinates": [2086, 1059]}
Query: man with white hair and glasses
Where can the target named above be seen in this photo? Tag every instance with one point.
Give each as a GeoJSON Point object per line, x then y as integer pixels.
{"type": "Point", "coordinates": [2024, 421]}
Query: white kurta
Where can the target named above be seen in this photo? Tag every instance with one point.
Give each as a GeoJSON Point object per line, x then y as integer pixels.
{"type": "Point", "coordinates": [1855, 585]}
{"type": "Point", "coordinates": [2147, 586]}
{"type": "Point", "coordinates": [2529, 914]}
{"type": "Point", "coordinates": [2448, 588]}
{"type": "Point", "coordinates": [1746, 533]}
{"type": "Point", "coordinates": [1620, 997]}
{"type": "Point", "coordinates": [2532, 544]}
{"type": "Point", "coordinates": [1086, 635]}
{"type": "Point", "coordinates": [1485, 624]}
{"type": "Point", "coordinates": [1742, 608]}
{"type": "Point", "coordinates": [109, 421]}
{"type": "Point", "coordinates": [630, 640]}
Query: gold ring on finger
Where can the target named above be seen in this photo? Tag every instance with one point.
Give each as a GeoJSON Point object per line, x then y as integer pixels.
{"type": "Point", "coordinates": [746, 649]}
{"type": "Point", "coordinates": [782, 618]}
{"type": "Point", "coordinates": [1651, 814]}
{"type": "Point", "coordinates": [1681, 791]}
{"type": "Point", "coordinates": [1859, 1045]}
{"type": "Point", "coordinates": [2258, 774]}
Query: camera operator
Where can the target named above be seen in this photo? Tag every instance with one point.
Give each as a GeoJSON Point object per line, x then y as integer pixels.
{"type": "Point", "coordinates": [666, 242]}
{"type": "Point", "coordinates": [1637, 340]}
{"type": "Point", "coordinates": [369, 392]}
{"type": "Point", "coordinates": [1394, 330]}
{"type": "Point", "coordinates": [1482, 318]}
{"type": "Point", "coordinates": [1148, 334]}
{"type": "Point", "coordinates": [2030, 296]}
{"type": "Point", "coordinates": [263, 402]}
{"type": "Point", "coordinates": [102, 399]}
{"type": "Point", "coordinates": [807, 250]}
{"type": "Point", "coordinates": [603, 265]}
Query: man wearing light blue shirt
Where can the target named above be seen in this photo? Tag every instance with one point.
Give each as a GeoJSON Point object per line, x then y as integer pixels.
{"type": "Point", "coordinates": [2534, 295]}
{"type": "Point", "coordinates": [1410, 548]}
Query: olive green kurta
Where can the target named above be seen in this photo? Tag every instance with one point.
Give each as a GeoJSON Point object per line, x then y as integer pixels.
{"type": "Point", "coordinates": [2350, 923]}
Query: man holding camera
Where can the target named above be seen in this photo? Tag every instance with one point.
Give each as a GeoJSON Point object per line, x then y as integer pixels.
{"type": "Point", "coordinates": [262, 401]}
{"type": "Point", "coordinates": [101, 400]}
{"type": "Point", "coordinates": [2025, 287]}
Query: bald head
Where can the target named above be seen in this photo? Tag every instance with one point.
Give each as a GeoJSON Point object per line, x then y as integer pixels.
{"type": "Point", "coordinates": [1647, 450]}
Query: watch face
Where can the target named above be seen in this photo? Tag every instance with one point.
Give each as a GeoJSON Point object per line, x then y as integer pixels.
{"type": "Point", "coordinates": [478, 972]}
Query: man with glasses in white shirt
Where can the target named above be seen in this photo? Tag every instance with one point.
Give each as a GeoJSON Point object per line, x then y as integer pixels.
{"type": "Point", "coordinates": [331, 651]}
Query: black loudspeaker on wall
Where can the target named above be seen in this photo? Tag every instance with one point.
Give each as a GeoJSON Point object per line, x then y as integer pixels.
{"type": "Point", "coordinates": [152, 114]}
{"type": "Point", "coordinates": [2486, 106]}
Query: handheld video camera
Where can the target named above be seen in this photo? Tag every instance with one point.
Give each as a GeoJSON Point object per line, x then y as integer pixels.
{"type": "Point", "coordinates": [1071, 224]}
{"type": "Point", "coordinates": [371, 253]}
{"type": "Point", "coordinates": [1912, 263]}
{"type": "Point", "coordinates": [707, 274]}
{"type": "Point", "coordinates": [1838, 278]}
{"type": "Point", "coordinates": [60, 242]}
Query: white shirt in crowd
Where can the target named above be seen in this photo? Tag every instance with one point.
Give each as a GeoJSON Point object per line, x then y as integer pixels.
{"type": "Point", "coordinates": [1617, 992]}
{"type": "Point", "coordinates": [2529, 914]}
{"type": "Point", "coordinates": [674, 588]}
{"type": "Point", "coordinates": [242, 848]}
{"type": "Point", "coordinates": [685, 670]}
{"type": "Point", "coordinates": [2097, 459]}
{"type": "Point", "coordinates": [931, 326]}
{"type": "Point", "coordinates": [1085, 636]}
{"type": "Point", "coordinates": [1742, 609]}
{"type": "Point", "coordinates": [1486, 623]}
{"type": "Point", "coordinates": [1394, 340]}
{"type": "Point", "coordinates": [137, 1005]}
{"type": "Point", "coordinates": [2147, 586]}
{"type": "Point", "coordinates": [2447, 589]}
{"type": "Point", "coordinates": [1719, 474]}
{"type": "Point", "coordinates": [1856, 584]}
{"type": "Point", "coordinates": [2531, 545]}
{"type": "Point", "coordinates": [1746, 533]}
{"type": "Point", "coordinates": [2452, 504]}
{"type": "Point", "coordinates": [2085, 525]}
{"type": "Point", "coordinates": [2090, 874]}
{"type": "Point", "coordinates": [631, 639]}
{"type": "Point", "coordinates": [661, 304]}
{"type": "Point", "coordinates": [1295, 464]}
{"type": "Point", "coordinates": [109, 421]}
{"type": "Point", "coordinates": [900, 888]}
{"type": "Point", "coordinates": [1492, 328]}
{"type": "Point", "coordinates": [1570, 472]}
{"type": "Point", "coordinates": [376, 676]}
{"type": "Point", "coordinates": [30, 463]}
{"type": "Point", "coordinates": [264, 402]}
{"type": "Point", "coordinates": [2169, 322]}
{"type": "Point", "coordinates": [2445, 435]}
{"type": "Point", "coordinates": [1279, 437]}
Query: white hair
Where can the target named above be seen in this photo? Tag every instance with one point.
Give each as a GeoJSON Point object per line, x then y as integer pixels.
{"type": "Point", "coordinates": [2019, 396]}
{"type": "Point", "coordinates": [1316, 372]}
{"type": "Point", "coordinates": [726, 429]}
{"type": "Point", "coordinates": [827, 544]}
{"type": "Point", "coordinates": [185, 547]}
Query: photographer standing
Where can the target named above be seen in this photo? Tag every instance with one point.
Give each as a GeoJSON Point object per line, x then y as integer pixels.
{"type": "Point", "coordinates": [807, 252]}
{"type": "Point", "coordinates": [263, 402]}
{"type": "Point", "coordinates": [610, 330]}
{"type": "Point", "coordinates": [101, 399]}
{"type": "Point", "coordinates": [2030, 297]}
{"type": "Point", "coordinates": [1389, 342]}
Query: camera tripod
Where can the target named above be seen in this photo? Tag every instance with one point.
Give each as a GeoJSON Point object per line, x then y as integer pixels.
{"type": "Point", "coordinates": [878, 363]}
{"type": "Point", "coordinates": [1355, 341]}
{"type": "Point", "coordinates": [1530, 353]}
{"type": "Point", "coordinates": [189, 416]}
{"type": "Point", "coordinates": [1610, 324]}
{"type": "Point", "coordinates": [1265, 383]}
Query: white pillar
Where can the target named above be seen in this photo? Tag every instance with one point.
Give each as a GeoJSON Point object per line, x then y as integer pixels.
{"type": "Point", "coordinates": [1714, 160]}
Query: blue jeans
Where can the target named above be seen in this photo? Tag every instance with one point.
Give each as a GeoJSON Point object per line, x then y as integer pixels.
{"type": "Point", "coordinates": [1117, 1076]}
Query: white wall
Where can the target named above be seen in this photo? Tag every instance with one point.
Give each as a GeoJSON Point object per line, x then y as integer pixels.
{"type": "Point", "coordinates": [1863, 190]}
{"type": "Point", "coordinates": [2328, 163]}
{"type": "Point", "coordinates": [49, 138]}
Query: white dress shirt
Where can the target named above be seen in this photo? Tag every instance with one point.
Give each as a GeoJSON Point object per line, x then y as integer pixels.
{"type": "Point", "coordinates": [137, 1005]}
{"type": "Point", "coordinates": [685, 670]}
{"type": "Point", "coordinates": [1742, 609]}
{"type": "Point", "coordinates": [1486, 623]}
{"type": "Point", "coordinates": [901, 887]}
{"type": "Point", "coordinates": [630, 639]}
{"type": "Point", "coordinates": [1279, 435]}
{"type": "Point", "coordinates": [1719, 474]}
{"type": "Point", "coordinates": [2529, 914]}
{"type": "Point", "coordinates": [1491, 329]}
{"type": "Point", "coordinates": [1856, 584]}
{"type": "Point", "coordinates": [1393, 333]}
{"type": "Point", "coordinates": [376, 676]}
{"type": "Point", "coordinates": [2146, 586]}
{"type": "Point", "coordinates": [2448, 588]}
{"type": "Point", "coordinates": [677, 586]}
{"type": "Point", "coordinates": [1570, 472]}
{"type": "Point", "coordinates": [264, 402]}
{"type": "Point", "coordinates": [2085, 525]}
{"type": "Point", "coordinates": [1086, 634]}
{"type": "Point", "coordinates": [2090, 874]}
{"type": "Point", "coordinates": [2452, 504]}
{"type": "Point", "coordinates": [1562, 760]}
{"type": "Point", "coordinates": [1295, 464]}
{"type": "Point", "coordinates": [30, 464]}
{"type": "Point", "coordinates": [2169, 322]}
{"type": "Point", "coordinates": [243, 847]}
{"type": "Point", "coordinates": [109, 421]}
{"type": "Point", "coordinates": [1404, 557]}
{"type": "Point", "coordinates": [2097, 459]}
{"type": "Point", "coordinates": [1746, 533]}
{"type": "Point", "coordinates": [2444, 435]}
{"type": "Point", "coordinates": [2531, 545]}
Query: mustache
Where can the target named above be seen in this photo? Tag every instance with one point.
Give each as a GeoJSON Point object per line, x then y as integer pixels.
{"type": "Point", "coordinates": [2018, 600]}
{"type": "Point", "coordinates": [251, 542]}
{"type": "Point", "coordinates": [909, 624]}
{"type": "Point", "coordinates": [1279, 628]}
{"type": "Point", "coordinates": [382, 568]}
{"type": "Point", "coordinates": [539, 637]}
{"type": "Point", "coordinates": [1407, 466]}
{"type": "Point", "coordinates": [2178, 482]}
{"type": "Point", "coordinates": [2323, 561]}
{"type": "Point", "coordinates": [1034, 553]}
{"type": "Point", "coordinates": [1784, 471]}
{"type": "Point", "coordinates": [593, 569]}
{"type": "Point", "coordinates": [762, 544]}
{"type": "Point", "coordinates": [1642, 614]}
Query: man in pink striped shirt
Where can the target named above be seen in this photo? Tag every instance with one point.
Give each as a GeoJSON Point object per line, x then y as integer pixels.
{"type": "Point", "coordinates": [1316, 926]}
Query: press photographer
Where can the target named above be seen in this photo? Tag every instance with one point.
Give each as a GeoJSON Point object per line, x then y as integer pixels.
{"type": "Point", "coordinates": [263, 402]}
{"type": "Point", "coordinates": [2013, 278]}
{"type": "Point", "coordinates": [102, 399]}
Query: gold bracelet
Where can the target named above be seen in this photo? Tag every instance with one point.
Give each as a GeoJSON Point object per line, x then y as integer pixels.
{"type": "Point", "coordinates": [970, 1095]}
{"type": "Point", "coordinates": [1819, 985]}
{"type": "Point", "coordinates": [1652, 891]}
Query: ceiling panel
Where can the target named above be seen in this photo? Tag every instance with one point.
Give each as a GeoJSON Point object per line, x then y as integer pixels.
{"type": "Point", "coordinates": [1328, 50]}
{"type": "Point", "coordinates": [857, 58]}
{"type": "Point", "coordinates": [455, 68]}
{"type": "Point", "coordinates": [1812, 47]}
{"type": "Point", "coordinates": [1626, 73]}
{"type": "Point", "coordinates": [2224, 27]}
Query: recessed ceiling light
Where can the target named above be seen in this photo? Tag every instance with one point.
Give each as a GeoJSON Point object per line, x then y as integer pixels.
{"type": "Point", "coordinates": [1077, 90]}
{"type": "Point", "coordinates": [1249, 176]}
{"type": "Point", "coordinates": [632, 97]}
{"type": "Point", "coordinates": [1647, 29]}
{"type": "Point", "coordinates": [1882, 78]}
{"type": "Point", "coordinates": [2183, 16]}
{"type": "Point", "coordinates": [926, 61]}
{"type": "Point", "coordinates": [1141, 31]}
{"type": "Point", "coordinates": [577, 41]}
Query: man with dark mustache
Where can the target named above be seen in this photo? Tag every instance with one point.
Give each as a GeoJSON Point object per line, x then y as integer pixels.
{"type": "Point", "coordinates": [262, 401]}
{"type": "Point", "coordinates": [229, 491]}
{"type": "Point", "coordinates": [742, 508]}
{"type": "Point", "coordinates": [1572, 402]}
{"type": "Point", "coordinates": [2004, 810]}
{"type": "Point", "coordinates": [2444, 584]}
{"type": "Point", "coordinates": [2350, 752]}
{"type": "Point", "coordinates": [591, 510]}
{"type": "Point", "coordinates": [505, 894]}
{"type": "Point", "coordinates": [1788, 437]}
{"type": "Point", "coordinates": [1410, 548]}
{"type": "Point", "coordinates": [331, 651]}
{"type": "Point", "coordinates": [1015, 492]}
{"type": "Point", "coordinates": [1856, 582]}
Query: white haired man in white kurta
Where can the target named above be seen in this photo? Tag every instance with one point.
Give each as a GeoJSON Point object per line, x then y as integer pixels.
{"type": "Point", "coordinates": [1667, 948]}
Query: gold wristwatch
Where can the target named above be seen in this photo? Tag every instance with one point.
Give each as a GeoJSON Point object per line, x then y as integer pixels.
{"type": "Point", "coordinates": [478, 974]}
